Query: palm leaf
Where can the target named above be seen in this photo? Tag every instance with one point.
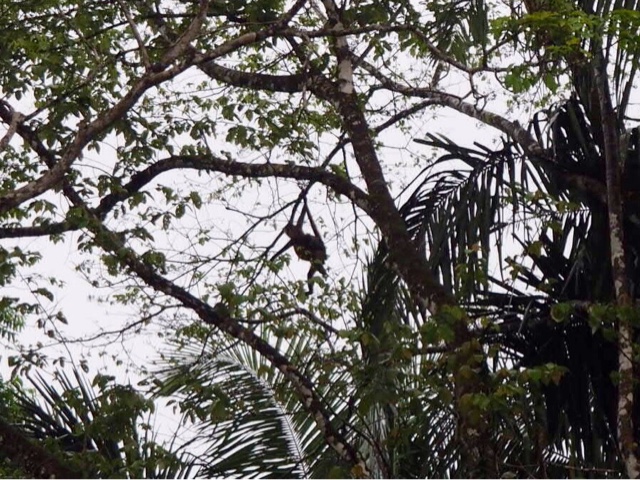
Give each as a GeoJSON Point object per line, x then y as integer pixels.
{"type": "Point", "coordinates": [456, 207]}
{"type": "Point", "coordinates": [448, 211]}
{"type": "Point", "coordinates": [103, 434]}
{"type": "Point", "coordinates": [247, 420]}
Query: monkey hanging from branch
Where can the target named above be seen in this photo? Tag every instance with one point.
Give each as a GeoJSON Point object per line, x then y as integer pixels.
{"type": "Point", "coordinates": [309, 248]}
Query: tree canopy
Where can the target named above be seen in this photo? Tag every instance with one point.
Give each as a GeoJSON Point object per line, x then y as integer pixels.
{"type": "Point", "coordinates": [459, 177]}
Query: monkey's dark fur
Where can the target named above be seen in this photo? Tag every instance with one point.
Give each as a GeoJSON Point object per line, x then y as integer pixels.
{"type": "Point", "coordinates": [309, 248]}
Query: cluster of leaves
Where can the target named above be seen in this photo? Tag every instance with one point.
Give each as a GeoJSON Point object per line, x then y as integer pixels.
{"type": "Point", "coordinates": [101, 428]}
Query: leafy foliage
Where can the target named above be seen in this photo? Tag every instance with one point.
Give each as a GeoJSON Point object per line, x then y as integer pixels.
{"type": "Point", "coordinates": [102, 427]}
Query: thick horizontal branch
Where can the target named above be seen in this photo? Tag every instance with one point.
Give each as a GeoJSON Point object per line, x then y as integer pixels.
{"type": "Point", "coordinates": [336, 183]}
{"type": "Point", "coordinates": [37, 230]}
{"type": "Point", "coordinates": [294, 83]}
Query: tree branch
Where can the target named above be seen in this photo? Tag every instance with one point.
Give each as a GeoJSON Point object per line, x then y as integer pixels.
{"type": "Point", "coordinates": [86, 132]}
{"type": "Point", "coordinates": [304, 388]}
{"type": "Point", "coordinates": [209, 163]}
{"type": "Point", "coordinates": [619, 271]}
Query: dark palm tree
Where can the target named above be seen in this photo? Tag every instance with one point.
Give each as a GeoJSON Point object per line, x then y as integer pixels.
{"type": "Point", "coordinates": [547, 301]}
{"type": "Point", "coordinates": [534, 300]}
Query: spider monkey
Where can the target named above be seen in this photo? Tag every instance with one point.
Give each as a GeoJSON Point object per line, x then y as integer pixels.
{"type": "Point", "coordinates": [309, 248]}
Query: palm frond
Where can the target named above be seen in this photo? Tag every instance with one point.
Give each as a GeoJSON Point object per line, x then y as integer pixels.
{"type": "Point", "coordinates": [248, 421]}
{"type": "Point", "coordinates": [452, 214]}
{"type": "Point", "coordinates": [99, 428]}
{"type": "Point", "coordinates": [462, 202]}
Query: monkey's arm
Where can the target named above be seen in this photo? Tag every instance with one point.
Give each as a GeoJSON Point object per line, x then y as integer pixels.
{"type": "Point", "coordinates": [282, 250]}
{"type": "Point", "coordinates": [316, 233]}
